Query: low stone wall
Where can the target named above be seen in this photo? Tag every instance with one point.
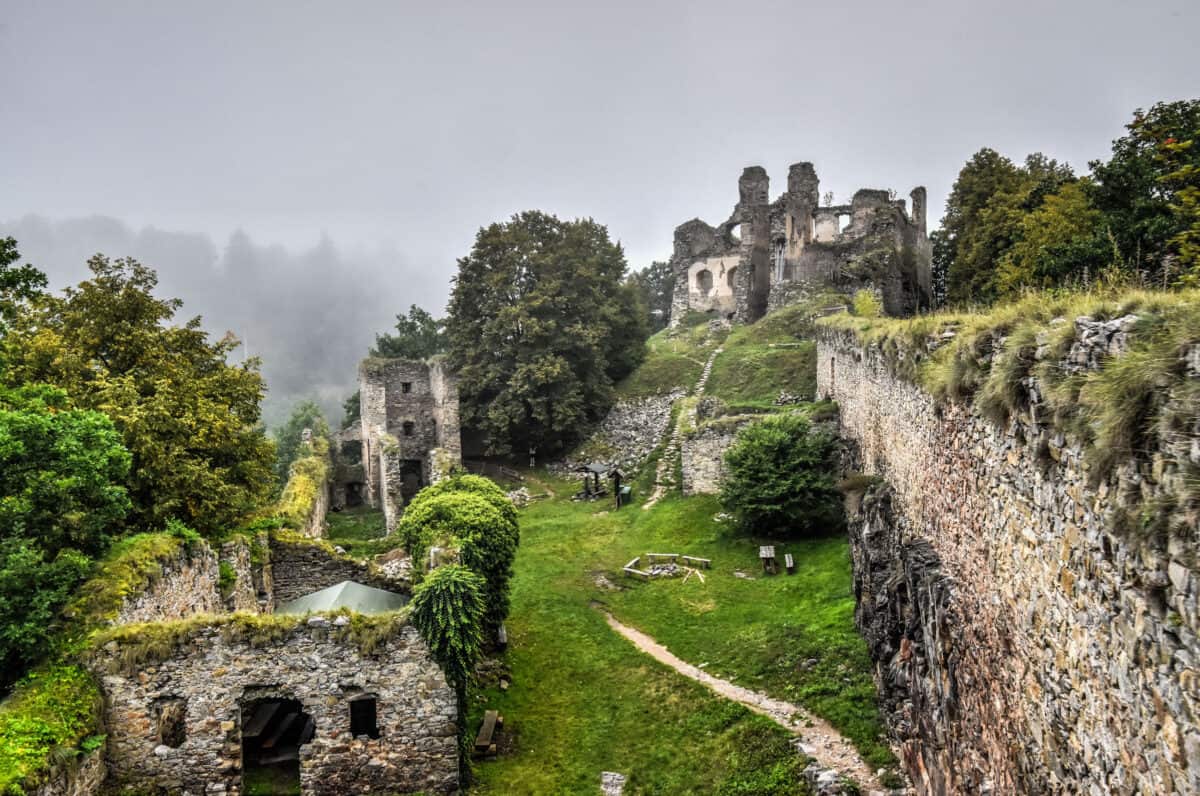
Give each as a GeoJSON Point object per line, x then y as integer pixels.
{"type": "Point", "coordinates": [83, 777]}
{"type": "Point", "coordinates": [299, 568]}
{"type": "Point", "coordinates": [1021, 646]}
{"type": "Point", "coordinates": [188, 586]}
{"type": "Point", "coordinates": [210, 680]}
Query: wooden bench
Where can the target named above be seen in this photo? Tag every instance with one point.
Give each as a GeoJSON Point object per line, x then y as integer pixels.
{"type": "Point", "coordinates": [789, 564]}
{"type": "Point", "coordinates": [702, 562]}
{"type": "Point", "coordinates": [654, 557]}
{"type": "Point", "coordinates": [485, 743]}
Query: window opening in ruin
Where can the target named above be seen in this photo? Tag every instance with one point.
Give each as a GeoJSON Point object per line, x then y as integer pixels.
{"type": "Point", "coordinates": [352, 451]}
{"type": "Point", "coordinates": [406, 386]}
{"type": "Point", "coordinates": [704, 281]}
{"type": "Point", "coordinates": [170, 714]}
{"type": "Point", "coordinates": [730, 277]}
{"type": "Point", "coordinates": [273, 730]}
{"type": "Point", "coordinates": [354, 494]}
{"type": "Point", "coordinates": [363, 717]}
{"type": "Point", "coordinates": [408, 428]}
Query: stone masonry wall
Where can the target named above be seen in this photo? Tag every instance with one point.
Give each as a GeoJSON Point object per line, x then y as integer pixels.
{"type": "Point", "coordinates": [629, 433]}
{"type": "Point", "coordinates": [702, 453]}
{"type": "Point", "coordinates": [215, 677]}
{"type": "Point", "coordinates": [252, 589]}
{"type": "Point", "coordinates": [298, 569]}
{"type": "Point", "coordinates": [188, 586]}
{"type": "Point", "coordinates": [1020, 645]}
{"type": "Point", "coordinates": [84, 777]}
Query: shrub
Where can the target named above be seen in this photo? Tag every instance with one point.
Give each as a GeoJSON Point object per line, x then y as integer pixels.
{"type": "Point", "coordinates": [866, 304]}
{"type": "Point", "coordinates": [485, 539]}
{"type": "Point", "coordinates": [447, 609]}
{"type": "Point", "coordinates": [476, 485]}
{"type": "Point", "coordinates": [781, 477]}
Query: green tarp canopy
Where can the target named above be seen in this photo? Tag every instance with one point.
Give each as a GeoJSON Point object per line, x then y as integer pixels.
{"type": "Point", "coordinates": [347, 594]}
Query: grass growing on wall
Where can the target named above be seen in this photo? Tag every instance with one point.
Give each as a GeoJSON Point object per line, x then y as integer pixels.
{"type": "Point", "coordinates": [1127, 410]}
{"type": "Point", "coordinates": [584, 700]}
{"type": "Point", "coordinates": [55, 707]}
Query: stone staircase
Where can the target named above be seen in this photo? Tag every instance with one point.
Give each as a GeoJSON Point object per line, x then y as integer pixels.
{"type": "Point", "coordinates": [665, 478]}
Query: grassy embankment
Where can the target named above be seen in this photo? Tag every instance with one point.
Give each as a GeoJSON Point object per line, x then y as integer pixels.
{"type": "Point", "coordinates": [583, 700]}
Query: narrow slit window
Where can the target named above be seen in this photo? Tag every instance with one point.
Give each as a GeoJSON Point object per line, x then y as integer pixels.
{"type": "Point", "coordinates": [172, 730]}
{"type": "Point", "coordinates": [406, 386]}
{"type": "Point", "coordinates": [363, 717]}
{"type": "Point", "coordinates": [408, 428]}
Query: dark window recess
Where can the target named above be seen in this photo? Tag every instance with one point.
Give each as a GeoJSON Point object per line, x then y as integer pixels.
{"type": "Point", "coordinates": [406, 386]}
{"type": "Point", "coordinates": [363, 720]}
{"type": "Point", "coordinates": [172, 730]}
{"type": "Point", "coordinates": [408, 428]}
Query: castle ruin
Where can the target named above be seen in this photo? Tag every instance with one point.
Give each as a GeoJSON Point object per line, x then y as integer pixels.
{"type": "Point", "coordinates": [768, 254]}
{"type": "Point", "coordinates": [407, 437]}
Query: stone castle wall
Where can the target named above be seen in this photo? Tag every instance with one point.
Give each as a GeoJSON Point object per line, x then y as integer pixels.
{"type": "Point", "coordinates": [298, 569]}
{"type": "Point", "coordinates": [213, 677]}
{"type": "Point", "coordinates": [188, 586]}
{"type": "Point", "coordinates": [702, 454]}
{"type": "Point", "coordinates": [1020, 646]}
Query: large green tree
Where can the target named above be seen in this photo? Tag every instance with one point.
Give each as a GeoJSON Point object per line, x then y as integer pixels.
{"type": "Point", "coordinates": [655, 285]}
{"type": "Point", "coordinates": [62, 501]}
{"type": "Point", "coordinates": [290, 436]}
{"type": "Point", "coordinates": [540, 329]}
{"type": "Point", "coordinates": [19, 284]}
{"type": "Point", "coordinates": [1149, 190]}
{"type": "Point", "coordinates": [189, 418]}
{"type": "Point", "coordinates": [418, 336]}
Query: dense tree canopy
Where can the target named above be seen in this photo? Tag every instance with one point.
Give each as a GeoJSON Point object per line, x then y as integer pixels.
{"type": "Point", "coordinates": [189, 419]}
{"type": "Point", "coordinates": [656, 286]}
{"type": "Point", "coordinates": [289, 436]}
{"type": "Point", "coordinates": [62, 501]}
{"type": "Point", "coordinates": [539, 328]}
{"type": "Point", "coordinates": [1008, 227]}
{"type": "Point", "coordinates": [18, 285]}
{"type": "Point", "coordinates": [418, 336]}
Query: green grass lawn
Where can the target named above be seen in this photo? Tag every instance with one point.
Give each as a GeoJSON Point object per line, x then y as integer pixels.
{"type": "Point", "coordinates": [754, 375]}
{"type": "Point", "coordinates": [673, 359]}
{"type": "Point", "coordinates": [583, 700]}
{"type": "Point", "coordinates": [359, 531]}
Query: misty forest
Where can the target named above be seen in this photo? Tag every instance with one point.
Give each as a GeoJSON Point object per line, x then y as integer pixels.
{"type": "Point", "coordinates": [884, 481]}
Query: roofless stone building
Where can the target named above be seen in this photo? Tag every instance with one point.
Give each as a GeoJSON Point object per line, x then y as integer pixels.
{"type": "Point", "coordinates": [767, 254]}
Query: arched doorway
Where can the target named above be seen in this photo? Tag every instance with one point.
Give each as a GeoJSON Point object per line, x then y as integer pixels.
{"type": "Point", "coordinates": [273, 730]}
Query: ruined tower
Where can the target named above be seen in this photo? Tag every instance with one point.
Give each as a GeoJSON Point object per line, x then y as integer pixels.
{"type": "Point", "coordinates": [769, 254]}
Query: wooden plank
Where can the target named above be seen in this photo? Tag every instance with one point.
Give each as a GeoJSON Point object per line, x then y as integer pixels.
{"type": "Point", "coordinates": [704, 562]}
{"type": "Point", "coordinates": [636, 562]}
{"type": "Point", "coordinates": [283, 727]}
{"type": "Point", "coordinates": [262, 717]}
{"type": "Point", "coordinates": [655, 556]}
{"type": "Point", "coordinates": [766, 551]}
{"type": "Point", "coordinates": [789, 564]}
{"type": "Point", "coordinates": [638, 572]}
{"type": "Point", "coordinates": [483, 741]}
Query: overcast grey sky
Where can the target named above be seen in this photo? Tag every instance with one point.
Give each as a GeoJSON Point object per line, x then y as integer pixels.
{"type": "Point", "coordinates": [402, 127]}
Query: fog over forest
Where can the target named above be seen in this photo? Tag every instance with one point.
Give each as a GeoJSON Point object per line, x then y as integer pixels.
{"type": "Point", "coordinates": [310, 315]}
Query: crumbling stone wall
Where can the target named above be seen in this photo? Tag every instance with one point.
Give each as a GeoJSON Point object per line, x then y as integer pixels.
{"type": "Point", "coordinates": [252, 589]}
{"type": "Point", "coordinates": [795, 241]}
{"type": "Point", "coordinates": [630, 432]}
{"type": "Point", "coordinates": [1021, 646]}
{"type": "Point", "coordinates": [214, 677]}
{"type": "Point", "coordinates": [188, 586]}
{"type": "Point", "coordinates": [298, 568]}
{"type": "Point", "coordinates": [82, 777]}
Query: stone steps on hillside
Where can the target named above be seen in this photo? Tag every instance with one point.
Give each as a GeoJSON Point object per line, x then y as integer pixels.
{"type": "Point", "coordinates": [665, 478]}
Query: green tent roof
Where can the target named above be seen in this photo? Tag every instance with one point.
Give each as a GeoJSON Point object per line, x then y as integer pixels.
{"type": "Point", "coordinates": [347, 594]}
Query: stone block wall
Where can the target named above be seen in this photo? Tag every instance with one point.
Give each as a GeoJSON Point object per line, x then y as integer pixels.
{"type": "Point", "coordinates": [298, 569]}
{"type": "Point", "coordinates": [85, 777]}
{"type": "Point", "coordinates": [702, 452]}
{"type": "Point", "coordinates": [188, 586]}
{"type": "Point", "coordinates": [252, 591]}
{"type": "Point", "coordinates": [629, 433]}
{"type": "Point", "coordinates": [213, 677]}
{"type": "Point", "coordinates": [1020, 645]}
